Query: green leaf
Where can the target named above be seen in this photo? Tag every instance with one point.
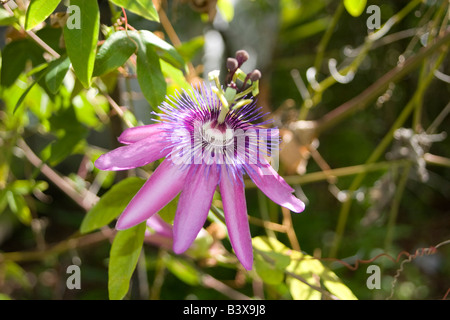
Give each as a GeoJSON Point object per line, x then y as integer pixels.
{"type": "Point", "coordinates": [11, 271]}
{"type": "Point", "coordinates": [176, 79]}
{"type": "Point", "coordinates": [111, 204]}
{"type": "Point", "coordinates": [305, 266]}
{"type": "Point", "coordinates": [190, 48]}
{"type": "Point", "coordinates": [301, 291]}
{"type": "Point", "coordinates": [310, 270]}
{"type": "Point", "coordinates": [336, 287]}
{"type": "Point", "coordinates": [182, 269]}
{"type": "Point", "coordinates": [226, 9]}
{"type": "Point", "coordinates": [269, 272]}
{"type": "Point", "coordinates": [270, 263]}
{"type": "Point", "coordinates": [81, 40]}
{"type": "Point", "coordinates": [89, 109]}
{"type": "Point", "coordinates": [14, 58]}
{"type": "Point", "coordinates": [307, 29]}
{"type": "Point", "coordinates": [114, 52]}
{"type": "Point", "coordinates": [70, 133]}
{"type": "Point", "coordinates": [64, 146]}
{"type": "Point", "coordinates": [38, 11]}
{"type": "Point", "coordinates": [125, 251]}
{"type": "Point", "coordinates": [57, 70]}
{"type": "Point", "coordinates": [52, 37]}
{"type": "Point", "coordinates": [19, 207]}
{"type": "Point", "coordinates": [24, 187]}
{"type": "Point", "coordinates": [25, 93]}
{"type": "Point", "coordinates": [5, 18]}
{"type": "Point", "coordinates": [149, 75]}
{"type": "Point", "coordinates": [144, 8]}
{"type": "Point", "coordinates": [166, 51]}
{"type": "Point", "coordinates": [355, 7]}
{"type": "Point", "coordinates": [3, 199]}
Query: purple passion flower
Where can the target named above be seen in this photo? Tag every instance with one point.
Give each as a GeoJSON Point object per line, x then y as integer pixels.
{"type": "Point", "coordinates": [200, 154]}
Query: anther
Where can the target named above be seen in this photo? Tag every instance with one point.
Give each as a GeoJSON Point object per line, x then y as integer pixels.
{"type": "Point", "coordinates": [232, 64]}
{"type": "Point", "coordinates": [241, 56]}
{"type": "Point", "coordinates": [255, 75]}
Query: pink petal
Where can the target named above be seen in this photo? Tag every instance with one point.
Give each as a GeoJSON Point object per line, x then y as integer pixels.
{"type": "Point", "coordinates": [136, 134]}
{"type": "Point", "coordinates": [163, 185]}
{"type": "Point", "coordinates": [134, 155]}
{"type": "Point", "coordinates": [265, 169]}
{"type": "Point", "coordinates": [236, 219]}
{"type": "Point", "coordinates": [193, 206]}
{"type": "Point", "coordinates": [159, 226]}
{"type": "Point", "coordinates": [275, 188]}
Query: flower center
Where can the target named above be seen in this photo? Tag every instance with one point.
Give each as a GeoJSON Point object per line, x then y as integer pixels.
{"type": "Point", "coordinates": [216, 135]}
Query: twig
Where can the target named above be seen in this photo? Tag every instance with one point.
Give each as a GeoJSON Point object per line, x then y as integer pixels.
{"type": "Point", "coordinates": [327, 36]}
{"type": "Point", "coordinates": [264, 212]}
{"type": "Point", "coordinates": [213, 283]}
{"type": "Point", "coordinates": [53, 176]}
{"type": "Point", "coordinates": [339, 172]}
{"type": "Point", "coordinates": [33, 36]}
{"type": "Point", "coordinates": [118, 109]}
{"type": "Point", "coordinates": [141, 268]}
{"type": "Point", "coordinates": [436, 160]}
{"type": "Point", "coordinates": [76, 241]}
{"type": "Point", "coordinates": [446, 294]}
{"type": "Point", "coordinates": [159, 277]}
{"type": "Point", "coordinates": [165, 22]}
{"type": "Point", "coordinates": [395, 205]}
{"type": "Point", "coordinates": [267, 224]}
{"type": "Point", "coordinates": [436, 122]}
{"type": "Point", "coordinates": [287, 223]}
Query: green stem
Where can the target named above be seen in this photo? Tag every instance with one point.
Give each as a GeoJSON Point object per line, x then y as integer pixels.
{"type": "Point", "coordinates": [217, 214]}
{"type": "Point", "coordinates": [75, 241]}
{"type": "Point", "coordinates": [395, 207]}
{"type": "Point", "coordinates": [327, 36]}
{"type": "Point", "coordinates": [264, 213]}
{"type": "Point", "coordinates": [369, 41]}
{"type": "Point", "coordinates": [432, 33]}
{"type": "Point", "coordinates": [436, 160]}
{"type": "Point", "coordinates": [339, 172]}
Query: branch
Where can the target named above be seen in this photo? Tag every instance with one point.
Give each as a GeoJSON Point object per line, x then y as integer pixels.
{"type": "Point", "coordinates": [33, 36]}
{"type": "Point", "coordinates": [339, 172]}
{"type": "Point", "coordinates": [76, 241]}
{"type": "Point", "coordinates": [66, 186]}
{"type": "Point", "coordinates": [213, 283]}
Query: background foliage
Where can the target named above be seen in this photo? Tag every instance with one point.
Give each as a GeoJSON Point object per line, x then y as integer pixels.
{"type": "Point", "coordinates": [363, 116]}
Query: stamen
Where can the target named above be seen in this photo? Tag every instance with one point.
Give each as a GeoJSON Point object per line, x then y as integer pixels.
{"type": "Point", "coordinates": [242, 103]}
{"type": "Point", "coordinates": [233, 95]}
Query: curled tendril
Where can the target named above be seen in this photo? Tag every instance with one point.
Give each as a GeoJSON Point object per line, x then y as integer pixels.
{"type": "Point", "coordinates": [332, 66]}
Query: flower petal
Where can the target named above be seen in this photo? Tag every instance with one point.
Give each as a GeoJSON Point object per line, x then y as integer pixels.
{"type": "Point", "coordinates": [265, 169]}
{"type": "Point", "coordinates": [236, 219]}
{"type": "Point", "coordinates": [274, 187]}
{"type": "Point", "coordinates": [134, 155]}
{"type": "Point", "coordinates": [193, 206]}
{"type": "Point", "coordinates": [163, 185]}
{"type": "Point", "coordinates": [159, 226]}
{"type": "Point", "coordinates": [135, 134]}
